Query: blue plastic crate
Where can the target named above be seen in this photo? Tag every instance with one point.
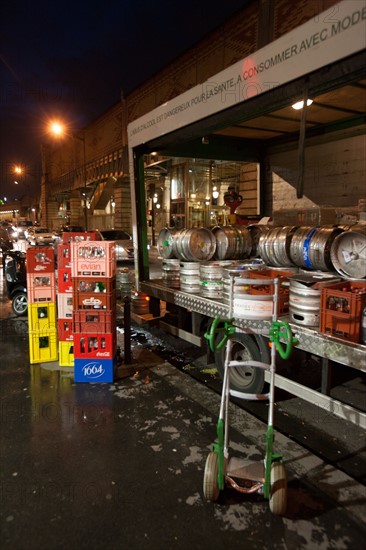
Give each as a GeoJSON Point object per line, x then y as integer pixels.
{"type": "Point", "coordinates": [94, 370]}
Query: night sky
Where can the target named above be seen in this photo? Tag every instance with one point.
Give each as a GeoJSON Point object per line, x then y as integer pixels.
{"type": "Point", "coordinates": [72, 59]}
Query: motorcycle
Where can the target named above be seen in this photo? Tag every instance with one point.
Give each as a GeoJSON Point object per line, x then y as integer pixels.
{"type": "Point", "coordinates": [16, 280]}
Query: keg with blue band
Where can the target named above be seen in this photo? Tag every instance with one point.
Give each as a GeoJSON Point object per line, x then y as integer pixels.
{"type": "Point", "coordinates": [306, 247]}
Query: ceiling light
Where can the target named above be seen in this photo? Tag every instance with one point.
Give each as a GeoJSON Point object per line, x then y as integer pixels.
{"type": "Point", "coordinates": [299, 105]}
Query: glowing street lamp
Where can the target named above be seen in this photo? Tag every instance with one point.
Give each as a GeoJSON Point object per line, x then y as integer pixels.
{"type": "Point", "coordinates": [59, 130]}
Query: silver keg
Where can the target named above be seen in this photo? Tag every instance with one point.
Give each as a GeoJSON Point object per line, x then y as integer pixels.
{"type": "Point", "coordinates": [171, 273]}
{"type": "Point", "coordinates": [211, 278]}
{"type": "Point", "coordinates": [256, 230]}
{"type": "Point", "coordinates": [310, 247]}
{"type": "Point", "coordinates": [190, 277]}
{"type": "Point", "coordinates": [304, 297]}
{"type": "Point", "coordinates": [237, 270]}
{"type": "Point", "coordinates": [233, 242]}
{"type": "Point", "coordinates": [124, 281]}
{"type": "Point", "coordinates": [165, 242]}
{"type": "Point", "coordinates": [320, 247]}
{"type": "Point", "coordinates": [196, 244]}
{"type": "Point", "coordinates": [348, 252]}
{"type": "Point", "coordinates": [274, 246]}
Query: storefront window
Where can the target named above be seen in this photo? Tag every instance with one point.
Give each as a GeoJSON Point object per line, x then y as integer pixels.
{"type": "Point", "coordinates": [177, 182]}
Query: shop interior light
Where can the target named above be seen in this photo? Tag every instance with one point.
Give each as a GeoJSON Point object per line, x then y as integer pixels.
{"type": "Point", "coordinates": [299, 105]}
{"type": "Point", "coordinates": [215, 193]}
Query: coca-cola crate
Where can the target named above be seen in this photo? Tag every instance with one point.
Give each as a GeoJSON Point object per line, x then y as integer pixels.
{"type": "Point", "coordinates": [94, 321]}
{"type": "Point", "coordinates": [65, 330]}
{"type": "Point", "coordinates": [42, 317]}
{"type": "Point", "coordinates": [40, 259]}
{"type": "Point", "coordinates": [94, 293]}
{"type": "Point", "coordinates": [95, 346]}
{"type": "Point", "coordinates": [94, 259]}
{"type": "Point", "coordinates": [64, 255]}
{"type": "Point", "coordinates": [69, 236]}
{"type": "Point", "coordinates": [64, 280]}
{"type": "Point", "coordinates": [263, 289]}
{"type": "Point", "coordinates": [41, 288]}
{"type": "Point", "coordinates": [65, 306]}
{"type": "Point", "coordinates": [94, 370]}
{"type": "Point", "coordinates": [341, 307]}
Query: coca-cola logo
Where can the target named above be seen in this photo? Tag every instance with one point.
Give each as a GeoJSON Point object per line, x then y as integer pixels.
{"type": "Point", "coordinates": [103, 354]}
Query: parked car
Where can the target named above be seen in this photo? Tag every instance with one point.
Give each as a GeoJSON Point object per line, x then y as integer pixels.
{"type": "Point", "coordinates": [124, 243]}
{"type": "Point", "coordinates": [40, 235]}
{"type": "Point", "coordinates": [71, 228]}
{"type": "Point", "coordinates": [20, 230]}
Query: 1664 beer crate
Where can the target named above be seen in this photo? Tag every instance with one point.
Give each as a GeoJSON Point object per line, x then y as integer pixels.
{"type": "Point", "coordinates": [94, 370]}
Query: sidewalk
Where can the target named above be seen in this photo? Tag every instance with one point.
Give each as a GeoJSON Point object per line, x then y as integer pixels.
{"type": "Point", "coordinates": [121, 466]}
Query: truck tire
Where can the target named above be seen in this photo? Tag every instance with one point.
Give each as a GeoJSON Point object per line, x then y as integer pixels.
{"type": "Point", "coordinates": [244, 347]}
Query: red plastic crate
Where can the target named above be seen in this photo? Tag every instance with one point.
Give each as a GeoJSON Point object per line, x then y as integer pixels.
{"type": "Point", "coordinates": [94, 293]}
{"type": "Point", "coordinates": [95, 346]}
{"type": "Point", "coordinates": [341, 307]}
{"type": "Point", "coordinates": [263, 289]}
{"type": "Point", "coordinates": [93, 259]}
{"type": "Point", "coordinates": [64, 280]}
{"type": "Point", "coordinates": [69, 236]}
{"type": "Point", "coordinates": [94, 321]}
{"type": "Point", "coordinates": [40, 259]}
{"type": "Point", "coordinates": [64, 255]}
{"type": "Point", "coordinates": [65, 306]}
{"type": "Point", "coordinates": [41, 287]}
{"type": "Point", "coordinates": [65, 330]}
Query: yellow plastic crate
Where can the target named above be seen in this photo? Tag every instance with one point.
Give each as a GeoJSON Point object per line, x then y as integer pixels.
{"type": "Point", "coordinates": [42, 317]}
{"type": "Point", "coordinates": [66, 354]}
{"type": "Point", "coordinates": [43, 346]}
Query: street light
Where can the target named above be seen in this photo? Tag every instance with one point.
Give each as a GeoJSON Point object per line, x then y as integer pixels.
{"type": "Point", "coordinates": [59, 130]}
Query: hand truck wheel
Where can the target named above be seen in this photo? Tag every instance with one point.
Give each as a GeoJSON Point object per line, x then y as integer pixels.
{"type": "Point", "coordinates": [210, 482]}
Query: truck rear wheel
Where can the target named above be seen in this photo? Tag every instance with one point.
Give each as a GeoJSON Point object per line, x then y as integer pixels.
{"type": "Point", "coordinates": [244, 348]}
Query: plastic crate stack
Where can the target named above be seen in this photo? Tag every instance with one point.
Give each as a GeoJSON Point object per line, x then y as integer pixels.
{"type": "Point", "coordinates": [93, 272]}
{"type": "Point", "coordinates": [41, 291]}
{"type": "Point", "coordinates": [64, 304]}
{"type": "Point", "coordinates": [64, 294]}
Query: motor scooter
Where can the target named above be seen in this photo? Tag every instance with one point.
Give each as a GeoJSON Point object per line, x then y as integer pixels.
{"type": "Point", "coordinates": [16, 280]}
